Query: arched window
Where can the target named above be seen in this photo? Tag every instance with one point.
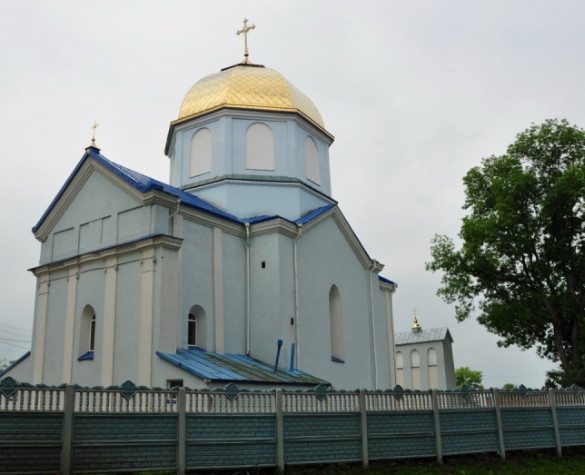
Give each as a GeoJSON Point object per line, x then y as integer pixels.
{"type": "Point", "coordinates": [92, 333]}
{"type": "Point", "coordinates": [433, 368]}
{"type": "Point", "coordinates": [414, 359]}
{"type": "Point", "coordinates": [415, 369]}
{"type": "Point", "coordinates": [200, 152]}
{"type": "Point", "coordinates": [259, 147]}
{"type": "Point", "coordinates": [312, 161]}
{"type": "Point", "coordinates": [399, 368]}
{"type": "Point", "coordinates": [432, 357]}
{"type": "Point", "coordinates": [87, 333]}
{"type": "Point", "coordinates": [399, 360]}
{"type": "Point", "coordinates": [336, 324]}
{"type": "Point", "coordinates": [197, 327]}
{"type": "Point", "coordinates": [192, 331]}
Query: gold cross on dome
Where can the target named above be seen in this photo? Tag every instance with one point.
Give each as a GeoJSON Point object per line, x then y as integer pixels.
{"type": "Point", "coordinates": [245, 31]}
{"type": "Point", "coordinates": [94, 126]}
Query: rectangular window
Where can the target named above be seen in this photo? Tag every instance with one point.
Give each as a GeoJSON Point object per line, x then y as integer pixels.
{"type": "Point", "coordinates": [174, 383]}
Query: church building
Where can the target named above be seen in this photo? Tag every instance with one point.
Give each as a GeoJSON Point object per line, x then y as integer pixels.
{"type": "Point", "coordinates": [424, 358]}
{"type": "Point", "coordinates": [242, 269]}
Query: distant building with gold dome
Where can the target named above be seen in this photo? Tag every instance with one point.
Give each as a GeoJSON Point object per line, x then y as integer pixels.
{"type": "Point", "coordinates": [424, 358]}
{"type": "Point", "coordinates": [243, 269]}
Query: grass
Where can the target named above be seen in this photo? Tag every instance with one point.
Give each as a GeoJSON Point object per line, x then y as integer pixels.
{"type": "Point", "coordinates": [517, 463]}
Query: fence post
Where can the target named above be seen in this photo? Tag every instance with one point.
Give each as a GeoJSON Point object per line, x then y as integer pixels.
{"type": "Point", "coordinates": [553, 410]}
{"type": "Point", "coordinates": [182, 432]}
{"type": "Point", "coordinates": [279, 431]}
{"type": "Point", "coordinates": [67, 431]}
{"type": "Point", "coordinates": [364, 428]}
{"type": "Point", "coordinates": [501, 441]}
{"type": "Point", "coordinates": [438, 442]}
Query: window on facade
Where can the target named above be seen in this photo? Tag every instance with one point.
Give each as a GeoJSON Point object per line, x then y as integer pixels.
{"type": "Point", "coordinates": [174, 383]}
{"type": "Point", "coordinates": [196, 327]}
{"type": "Point", "coordinates": [87, 333]}
{"type": "Point", "coordinates": [259, 147]}
{"type": "Point", "coordinates": [200, 153]}
{"type": "Point", "coordinates": [192, 330]}
{"type": "Point", "coordinates": [433, 369]}
{"type": "Point", "coordinates": [312, 161]}
{"type": "Point", "coordinates": [399, 360]}
{"type": "Point", "coordinates": [336, 324]}
{"type": "Point", "coordinates": [415, 369]}
{"type": "Point", "coordinates": [414, 359]}
{"type": "Point", "coordinates": [432, 357]}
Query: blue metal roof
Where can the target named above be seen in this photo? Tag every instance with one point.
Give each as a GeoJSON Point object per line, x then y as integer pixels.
{"type": "Point", "coordinates": [226, 368]}
{"type": "Point", "coordinates": [144, 184]}
{"type": "Point", "coordinates": [388, 281]}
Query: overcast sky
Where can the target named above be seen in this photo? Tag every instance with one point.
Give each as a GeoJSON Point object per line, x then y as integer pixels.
{"type": "Point", "coordinates": [415, 92]}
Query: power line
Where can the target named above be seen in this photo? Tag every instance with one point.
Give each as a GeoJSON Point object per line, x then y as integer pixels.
{"type": "Point", "coordinates": [15, 341]}
{"type": "Point", "coordinates": [12, 344]}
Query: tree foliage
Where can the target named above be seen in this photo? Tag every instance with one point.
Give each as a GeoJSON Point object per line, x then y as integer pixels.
{"type": "Point", "coordinates": [468, 377]}
{"type": "Point", "coordinates": [521, 263]}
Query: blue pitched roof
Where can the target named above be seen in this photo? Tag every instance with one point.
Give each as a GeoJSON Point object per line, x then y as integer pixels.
{"type": "Point", "coordinates": [388, 281]}
{"type": "Point", "coordinates": [139, 181]}
{"type": "Point", "coordinates": [236, 368]}
{"type": "Point", "coordinates": [144, 184]}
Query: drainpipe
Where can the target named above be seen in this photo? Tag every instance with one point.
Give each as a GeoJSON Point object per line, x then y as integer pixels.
{"type": "Point", "coordinates": [296, 284]}
{"type": "Point", "coordinates": [278, 348]}
{"type": "Point", "coordinates": [247, 289]}
{"type": "Point", "coordinates": [372, 326]}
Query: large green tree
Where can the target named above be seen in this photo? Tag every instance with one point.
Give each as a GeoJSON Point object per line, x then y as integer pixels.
{"type": "Point", "coordinates": [521, 260]}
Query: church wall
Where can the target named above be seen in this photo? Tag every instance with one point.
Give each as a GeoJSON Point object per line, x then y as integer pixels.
{"type": "Point", "coordinates": [228, 155]}
{"type": "Point", "coordinates": [325, 259]}
{"type": "Point", "coordinates": [196, 282]}
{"type": "Point", "coordinates": [287, 298]}
{"type": "Point", "coordinates": [166, 305]}
{"type": "Point", "coordinates": [127, 321]}
{"type": "Point", "coordinates": [449, 363]}
{"type": "Point", "coordinates": [87, 223]}
{"type": "Point", "coordinates": [55, 329]}
{"type": "Point", "coordinates": [90, 291]}
{"type": "Point", "coordinates": [265, 198]}
{"type": "Point", "coordinates": [445, 369]}
{"type": "Point", "coordinates": [234, 282]}
{"type": "Point", "coordinates": [265, 295]}
{"type": "Point", "coordinates": [381, 336]}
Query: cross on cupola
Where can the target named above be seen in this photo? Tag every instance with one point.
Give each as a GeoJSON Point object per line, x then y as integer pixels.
{"type": "Point", "coordinates": [94, 127]}
{"type": "Point", "coordinates": [245, 31]}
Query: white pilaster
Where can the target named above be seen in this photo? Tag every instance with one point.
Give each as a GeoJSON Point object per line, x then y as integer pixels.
{"type": "Point", "coordinates": [106, 353]}
{"type": "Point", "coordinates": [40, 327]}
{"type": "Point", "coordinates": [218, 290]}
{"type": "Point", "coordinates": [68, 337]}
{"type": "Point", "coordinates": [148, 265]}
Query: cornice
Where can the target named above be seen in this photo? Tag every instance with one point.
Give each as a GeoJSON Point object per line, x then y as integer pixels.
{"type": "Point", "coordinates": [150, 242]}
{"type": "Point", "coordinates": [277, 225]}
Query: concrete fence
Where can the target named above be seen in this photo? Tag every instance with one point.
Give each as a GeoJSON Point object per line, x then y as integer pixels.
{"type": "Point", "coordinates": [78, 430]}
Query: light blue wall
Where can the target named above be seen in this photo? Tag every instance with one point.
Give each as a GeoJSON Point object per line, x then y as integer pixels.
{"type": "Point", "coordinates": [89, 224]}
{"type": "Point", "coordinates": [325, 259]}
{"type": "Point", "coordinates": [234, 288]}
{"type": "Point", "coordinates": [248, 199]}
{"type": "Point", "coordinates": [53, 357]}
{"type": "Point", "coordinates": [196, 270]}
{"type": "Point", "coordinates": [127, 323]}
{"type": "Point", "coordinates": [90, 291]}
{"type": "Point", "coordinates": [228, 130]}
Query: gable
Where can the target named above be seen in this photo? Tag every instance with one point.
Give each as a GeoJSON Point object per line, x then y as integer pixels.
{"type": "Point", "coordinates": [94, 210]}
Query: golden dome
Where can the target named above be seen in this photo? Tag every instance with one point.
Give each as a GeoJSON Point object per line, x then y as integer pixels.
{"type": "Point", "coordinates": [247, 86]}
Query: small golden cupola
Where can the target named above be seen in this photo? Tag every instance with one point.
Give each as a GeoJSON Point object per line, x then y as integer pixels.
{"type": "Point", "coordinates": [416, 326]}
